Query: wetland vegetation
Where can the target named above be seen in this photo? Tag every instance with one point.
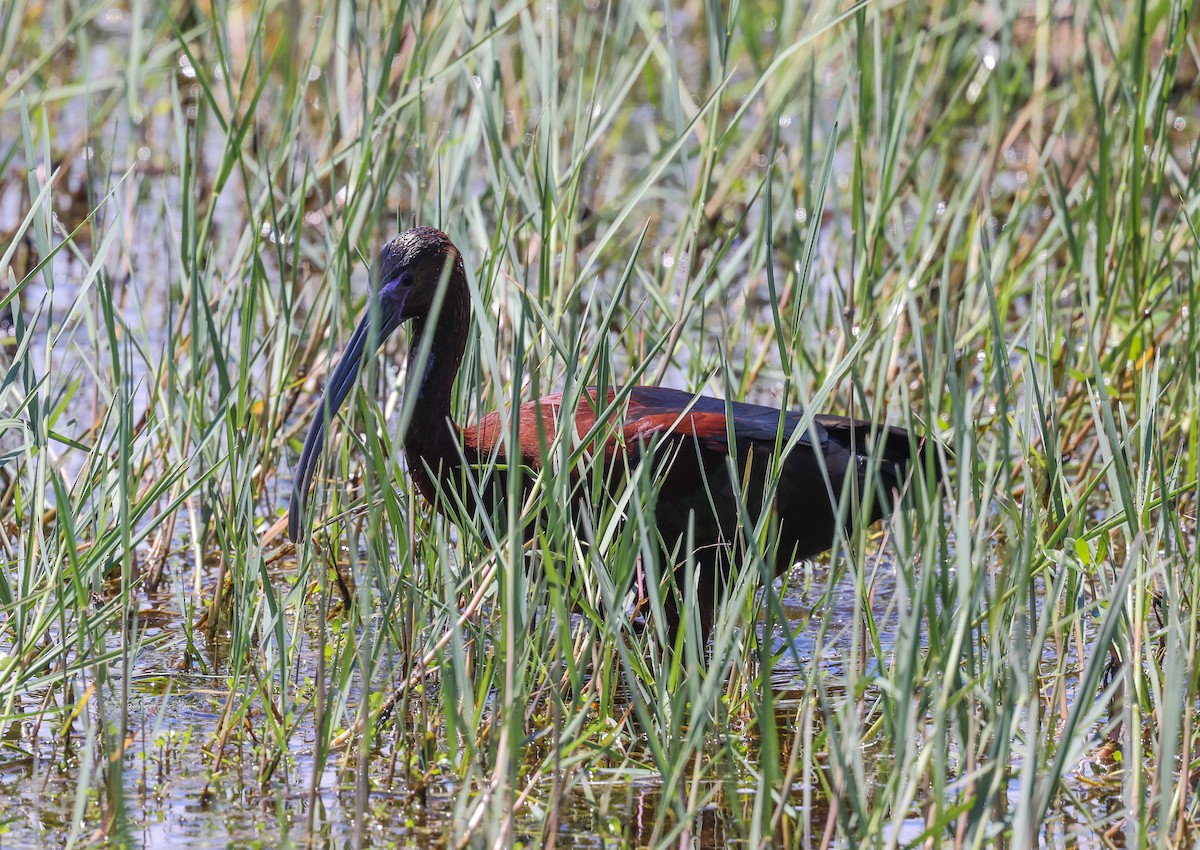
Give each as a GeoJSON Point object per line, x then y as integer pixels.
{"type": "Point", "coordinates": [973, 220]}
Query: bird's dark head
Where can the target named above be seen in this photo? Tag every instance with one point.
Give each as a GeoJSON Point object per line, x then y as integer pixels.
{"type": "Point", "coordinates": [409, 271]}
{"type": "Point", "coordinates": [405, 282]}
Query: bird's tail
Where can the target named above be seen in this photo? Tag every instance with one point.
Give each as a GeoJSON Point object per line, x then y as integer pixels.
{"type": "Point", "coordinates": [906, 457]}
{"type": "Point", "coordinates": [894, 453]}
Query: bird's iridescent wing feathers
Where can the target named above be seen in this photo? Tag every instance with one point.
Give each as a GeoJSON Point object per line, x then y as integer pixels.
{"type": "Point", "coordinates": [657, 412]}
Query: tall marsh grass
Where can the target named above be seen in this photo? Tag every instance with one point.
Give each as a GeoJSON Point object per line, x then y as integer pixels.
{"type": "Point", "coordinates": [975, 221]}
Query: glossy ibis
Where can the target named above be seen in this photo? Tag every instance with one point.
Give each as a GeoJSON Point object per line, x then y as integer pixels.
{"type": "Point", "coordinates": [690, 439]}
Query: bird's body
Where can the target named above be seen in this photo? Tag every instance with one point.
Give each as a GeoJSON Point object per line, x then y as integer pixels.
{"type": "Point", "coordinates": [688, 436]}
{"type": "Point", "coordinates": [690, 439]}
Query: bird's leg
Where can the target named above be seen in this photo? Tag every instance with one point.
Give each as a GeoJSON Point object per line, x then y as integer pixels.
{"type": "Point", "coordinates": [678, 596]}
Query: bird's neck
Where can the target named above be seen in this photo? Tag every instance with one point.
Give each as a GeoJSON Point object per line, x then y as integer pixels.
{"type": "Point", "coordinates": [433, 442]}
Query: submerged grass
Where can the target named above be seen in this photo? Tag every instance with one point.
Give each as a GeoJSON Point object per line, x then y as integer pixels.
{"type": "Point", "coordinates": [975, 221]}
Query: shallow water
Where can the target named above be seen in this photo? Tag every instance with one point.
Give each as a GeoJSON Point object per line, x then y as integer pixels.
{"type": "Point", "coordinates": [174, 798]}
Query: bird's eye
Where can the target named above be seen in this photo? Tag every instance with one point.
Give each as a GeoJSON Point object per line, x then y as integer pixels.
{"type": "Point", "coordinates": [405, 280]}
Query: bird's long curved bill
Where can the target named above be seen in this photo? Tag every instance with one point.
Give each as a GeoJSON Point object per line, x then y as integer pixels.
{"type": "Point", "coordinates": [341, 382]}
